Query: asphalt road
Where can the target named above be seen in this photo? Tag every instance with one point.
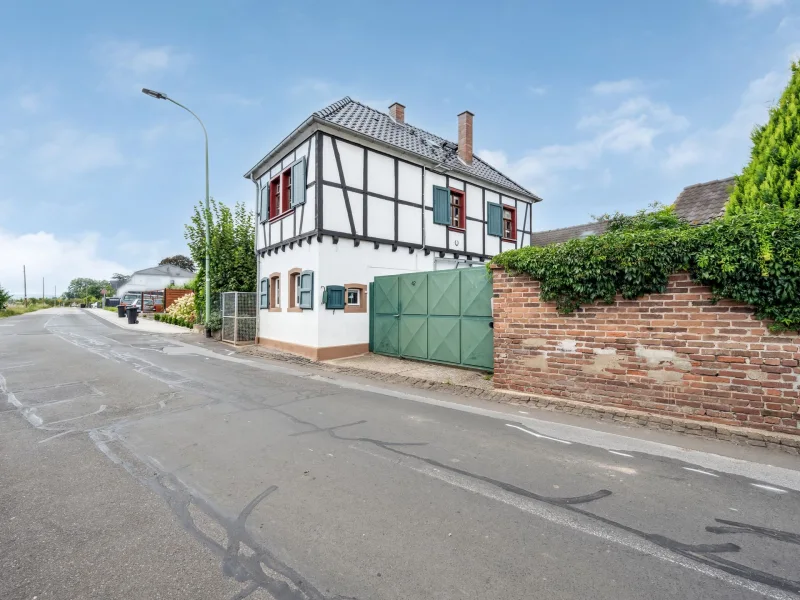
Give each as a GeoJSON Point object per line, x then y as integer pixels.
{"type": "Point", "coordinates": [136, 465]}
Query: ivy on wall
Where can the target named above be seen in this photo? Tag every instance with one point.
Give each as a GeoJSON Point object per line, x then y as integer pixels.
{"type": "Point", "coordinates": [752, 257]}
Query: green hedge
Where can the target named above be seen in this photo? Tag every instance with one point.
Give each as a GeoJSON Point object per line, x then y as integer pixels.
{"type": "Point", "coordinates": [173, 320]}
{"type": "Point", "coordinates": [752, 258]}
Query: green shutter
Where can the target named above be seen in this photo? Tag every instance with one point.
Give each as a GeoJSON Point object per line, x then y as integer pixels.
{"type": "Point", "coordinates": [264, 209]}
{"type": "Point", "coordinates": [299, 182]}
{"type": "Point", "coordinates": [335, 297]}
{"type": "Point", "coordinates": [307, 290]}
{"type": "Point", "coordinates": [441, 205]}
{"type": "Point", "coordinates": [494, 219]}
{"type": "Point", "coordinates": [265, 293]}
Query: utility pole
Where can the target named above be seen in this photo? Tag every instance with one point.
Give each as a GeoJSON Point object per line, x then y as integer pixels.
{"type": "Point", "coordinates": [25, 285]}
{"type": "Point", "coordinates": [55, 296]}
{"type": "Point", "coordinates": [42, 290]}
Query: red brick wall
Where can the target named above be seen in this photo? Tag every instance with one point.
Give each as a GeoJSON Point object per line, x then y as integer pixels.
{"type": "Point", "coordinates": [675, 354]}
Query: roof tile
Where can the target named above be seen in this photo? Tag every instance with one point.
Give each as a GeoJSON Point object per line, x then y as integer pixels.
{"type": "Point", "coordinates": [380, 126]}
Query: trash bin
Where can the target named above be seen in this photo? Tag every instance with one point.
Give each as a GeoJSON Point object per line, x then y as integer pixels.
{"type": "Point", "coordinates": [132, 314]}
{"type": "Point", "coordinates": [120, 310]}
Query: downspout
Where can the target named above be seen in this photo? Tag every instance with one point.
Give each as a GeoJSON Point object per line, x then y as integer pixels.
{"type": "Point", "coordinates": [258, 263]}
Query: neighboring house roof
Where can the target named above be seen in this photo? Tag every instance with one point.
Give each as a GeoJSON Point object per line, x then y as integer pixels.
{"type": "Point", "coordinates": [556, 236]}
{"type": "Point", "coordinates": [696, 204]}
{"type": "Point", "coordinates": [703, 202]}
{"type": "Point", "coordinates": [371, 123]}
{"type": "Point", "coordinates": [166, 270]}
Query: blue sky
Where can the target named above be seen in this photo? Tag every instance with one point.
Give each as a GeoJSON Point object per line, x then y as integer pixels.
{"type": "Point", "coordinates": [595, 106]}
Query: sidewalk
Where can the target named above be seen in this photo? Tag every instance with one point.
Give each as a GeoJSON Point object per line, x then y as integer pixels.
{"type": "Point", "coordinates": [145, 324]}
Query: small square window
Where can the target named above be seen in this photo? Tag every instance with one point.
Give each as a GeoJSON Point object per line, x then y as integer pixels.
{"type": "Point", "coordinates": [355, 298]}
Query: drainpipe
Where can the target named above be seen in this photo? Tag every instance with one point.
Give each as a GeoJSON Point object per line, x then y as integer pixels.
{"type": "Point", "coordinates": [258, 263]}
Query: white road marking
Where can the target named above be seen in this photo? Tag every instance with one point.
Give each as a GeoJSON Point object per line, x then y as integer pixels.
{"type": "Point", "coordinates": [582, 525]}
{"type": "Point", "coordinates": [539, 435]}
{"type": "Point", "coordinates": [599, 439]}
{"type": "Point", "coordinates": [700, 471]}
{"type": "Point", "coordinates": [621, 453]}
{"type": "Point", "coordinates": [19, 366]}
{"type": "Point", "coordinates": [98, 411]}
{"type": "Point", "coordinates": [769, 488]}
{"type": "Point", "coordinates": [52, 437]}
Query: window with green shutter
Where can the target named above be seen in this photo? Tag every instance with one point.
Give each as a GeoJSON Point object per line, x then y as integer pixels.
{"type": "Point", "coordinates": [494, 219]}
{"type": "Point", "coordinates": [264, 293]}
{"type": "Point", "coordinates": [263, 210]}
{"type": "Point", "coordinates": [306, 293]}
{"type": "Point", "coordinates": [334, 297]}
{"type": "Point", "coordinates": [298, 182]}
{"type": "Point", "coordinates": [441, 205]}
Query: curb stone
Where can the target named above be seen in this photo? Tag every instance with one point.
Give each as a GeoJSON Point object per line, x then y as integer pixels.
{"type": "Point", "coordinates": [736, 435]}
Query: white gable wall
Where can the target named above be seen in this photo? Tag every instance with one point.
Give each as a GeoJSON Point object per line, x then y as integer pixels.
{"type": "Point", "coordinates": [291, 327]}
{"type": "Point", "coordinates": [301, 220]}
{"type": "Point", "coordinates": [374, 216]}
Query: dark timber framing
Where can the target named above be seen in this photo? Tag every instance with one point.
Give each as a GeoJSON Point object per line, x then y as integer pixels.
{"type": "Point", "coordinates": [344, 186]}
{"type": "Point", "coordinates": [524, 225]}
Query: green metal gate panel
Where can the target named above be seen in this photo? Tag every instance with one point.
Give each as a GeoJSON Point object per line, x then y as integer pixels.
{"type": "Point", "coordinates": [414, 294]}
{"type": "Point", "coordinates": [476, 293]}
{"type": "Point", "coordinates": [414, 336]}
{"type": "Point", "coordinates": [443, 292]}
{"type": "Point", "coordinates": [440, 316]}
{"type": "Point", "coordinates": [444, 339]}
{"type": "Point", "coordinates": [386, 297]}
{"type": "Point", "coordinates": [477, 342]}
{"type": "Point", "coordinates": [386, 331]}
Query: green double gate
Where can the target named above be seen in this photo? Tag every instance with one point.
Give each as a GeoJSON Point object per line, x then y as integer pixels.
{"type": "Point", "coordinates": [440, 316]}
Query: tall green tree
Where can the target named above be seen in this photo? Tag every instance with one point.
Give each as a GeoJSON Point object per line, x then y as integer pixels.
{"type": "Point", "coordinates": [773, 175]}
{"type": "Point", "coordinates": [4, 297]}
{"type": "Point", "coordinates": [232, 258]}
{"type": "Point", "coordinates": [179, 260]}
{"type": "Point", "coordinates": [81, 287]}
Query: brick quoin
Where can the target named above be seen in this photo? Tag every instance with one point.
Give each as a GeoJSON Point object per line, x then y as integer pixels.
{"type": "Point", "coordinates": [675, 354]}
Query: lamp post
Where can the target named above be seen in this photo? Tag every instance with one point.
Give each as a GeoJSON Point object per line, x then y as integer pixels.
{"type": "Point", "coordinates": [160, 96]}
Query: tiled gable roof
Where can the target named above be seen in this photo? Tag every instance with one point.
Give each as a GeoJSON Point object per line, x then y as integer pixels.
{"type": "Point", "coordinates": [381, 127]}
{"type": "Point", "coordinates": [696, 204]}
{"type": "Point", "coordinates": [704, 202]}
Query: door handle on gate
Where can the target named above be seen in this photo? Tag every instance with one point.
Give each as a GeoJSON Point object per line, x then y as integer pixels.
{"type": "Point", "coordinates": [396, 316]}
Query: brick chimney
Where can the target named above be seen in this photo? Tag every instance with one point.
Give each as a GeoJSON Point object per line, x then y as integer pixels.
{"type": "Point", "coordinates": [465, 136]}
{"type": "Point", "coordinates": [398, 112]}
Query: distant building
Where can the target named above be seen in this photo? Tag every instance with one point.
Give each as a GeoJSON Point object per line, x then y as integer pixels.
{"type": "Point", "coordinates": [697, 204]}
{"type": "Point", "coordinates": [155, 278]}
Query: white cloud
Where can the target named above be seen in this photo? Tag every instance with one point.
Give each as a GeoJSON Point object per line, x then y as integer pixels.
{"type": "Point", "coordinates": [312, 85]}
{"type": "Point", "coordinates": [30, 102]}
{"type": "Point", "coordinates": [56, 260]}
{"type": "Point", "coordinates": [132, 66]}
{"type": "Point", "coordinates": [730, 141]}
{"type": "Point", "coordinates": [70, 151]}
{"type": "Point", "coordinates": [630, 128]}
{"type": "Point", "coordinates": [537, 90]}
{"type": "Point", "coordinates": [622, 86]}
{"type": "Point", "coordinates": [754, 5]}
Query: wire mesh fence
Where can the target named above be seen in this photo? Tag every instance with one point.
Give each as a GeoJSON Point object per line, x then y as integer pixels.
{"type": "Point", "coordinates": [239, 312]}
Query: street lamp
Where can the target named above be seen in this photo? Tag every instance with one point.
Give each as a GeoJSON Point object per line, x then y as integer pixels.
{"type": "Point", "coordinates": [160, 96]}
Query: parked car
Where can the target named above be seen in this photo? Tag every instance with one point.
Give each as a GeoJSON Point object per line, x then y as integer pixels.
{"type": "Point", "coordinates": [131, 299]}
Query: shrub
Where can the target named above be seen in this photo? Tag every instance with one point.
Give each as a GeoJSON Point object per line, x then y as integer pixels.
{"type": "Point", "coordinates": [215, 321]}
{"type": "Point", "coordinates": [752, 257]}
{"type": "Point", "coordinates": [183, 308]}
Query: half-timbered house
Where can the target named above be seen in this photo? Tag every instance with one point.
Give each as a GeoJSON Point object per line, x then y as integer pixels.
{"type": "Point", "coordinates": [354, 193]}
